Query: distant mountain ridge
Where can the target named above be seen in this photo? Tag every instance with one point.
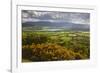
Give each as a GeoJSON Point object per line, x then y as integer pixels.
{"type": "Point", "coordinates": [66, 25]}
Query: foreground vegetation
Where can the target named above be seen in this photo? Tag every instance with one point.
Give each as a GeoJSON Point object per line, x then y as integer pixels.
{"type": "Point", "coordinates": [53, 46]}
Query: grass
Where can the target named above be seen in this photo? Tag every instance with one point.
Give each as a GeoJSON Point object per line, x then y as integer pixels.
{"type": "Point", "coordinates": [71, 45]}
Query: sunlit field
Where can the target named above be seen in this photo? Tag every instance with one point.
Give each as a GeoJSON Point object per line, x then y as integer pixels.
{"type": "Point", "coordinates": [55, 45]}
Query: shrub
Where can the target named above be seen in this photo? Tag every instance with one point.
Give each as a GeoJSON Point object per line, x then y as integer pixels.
{"type": "Point", "coordinates": [40, 38]}
{"type": "Point", "coordinates": [26, 52]}
{"type": "Point", "coordinates": [48, 52]}
{"type": "Point", "coordinates": [28, 39]}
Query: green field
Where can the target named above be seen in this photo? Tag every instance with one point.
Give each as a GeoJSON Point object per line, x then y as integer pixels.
{"type": "Point", "coordinates": [54, 46]}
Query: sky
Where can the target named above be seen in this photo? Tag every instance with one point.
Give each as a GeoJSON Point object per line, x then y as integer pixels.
{"type": "Point", "coordinates": [72, 17]}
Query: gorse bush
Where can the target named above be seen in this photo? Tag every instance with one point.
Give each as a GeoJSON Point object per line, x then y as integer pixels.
{"type": "Point", "coordinates": [48, 52]}
{"type": "Point", "coordinates": [26, 52]}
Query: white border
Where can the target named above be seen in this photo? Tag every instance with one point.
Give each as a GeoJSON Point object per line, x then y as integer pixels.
{"type": "Point", "coordinates": [18, 66]}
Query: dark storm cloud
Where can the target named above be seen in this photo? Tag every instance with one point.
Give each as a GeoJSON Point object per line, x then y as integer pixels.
{"type": "Point", "coordinates": [73, 17]}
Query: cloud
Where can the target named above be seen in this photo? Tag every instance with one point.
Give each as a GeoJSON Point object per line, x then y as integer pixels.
{"type": "Point", "coordinates": [83, 18]}
{"type": "Point", "coordinates": [73, 17]}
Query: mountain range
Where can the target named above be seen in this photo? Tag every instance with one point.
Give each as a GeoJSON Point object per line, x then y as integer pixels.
{"type": "Point", "coordinates": [56, 25]}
